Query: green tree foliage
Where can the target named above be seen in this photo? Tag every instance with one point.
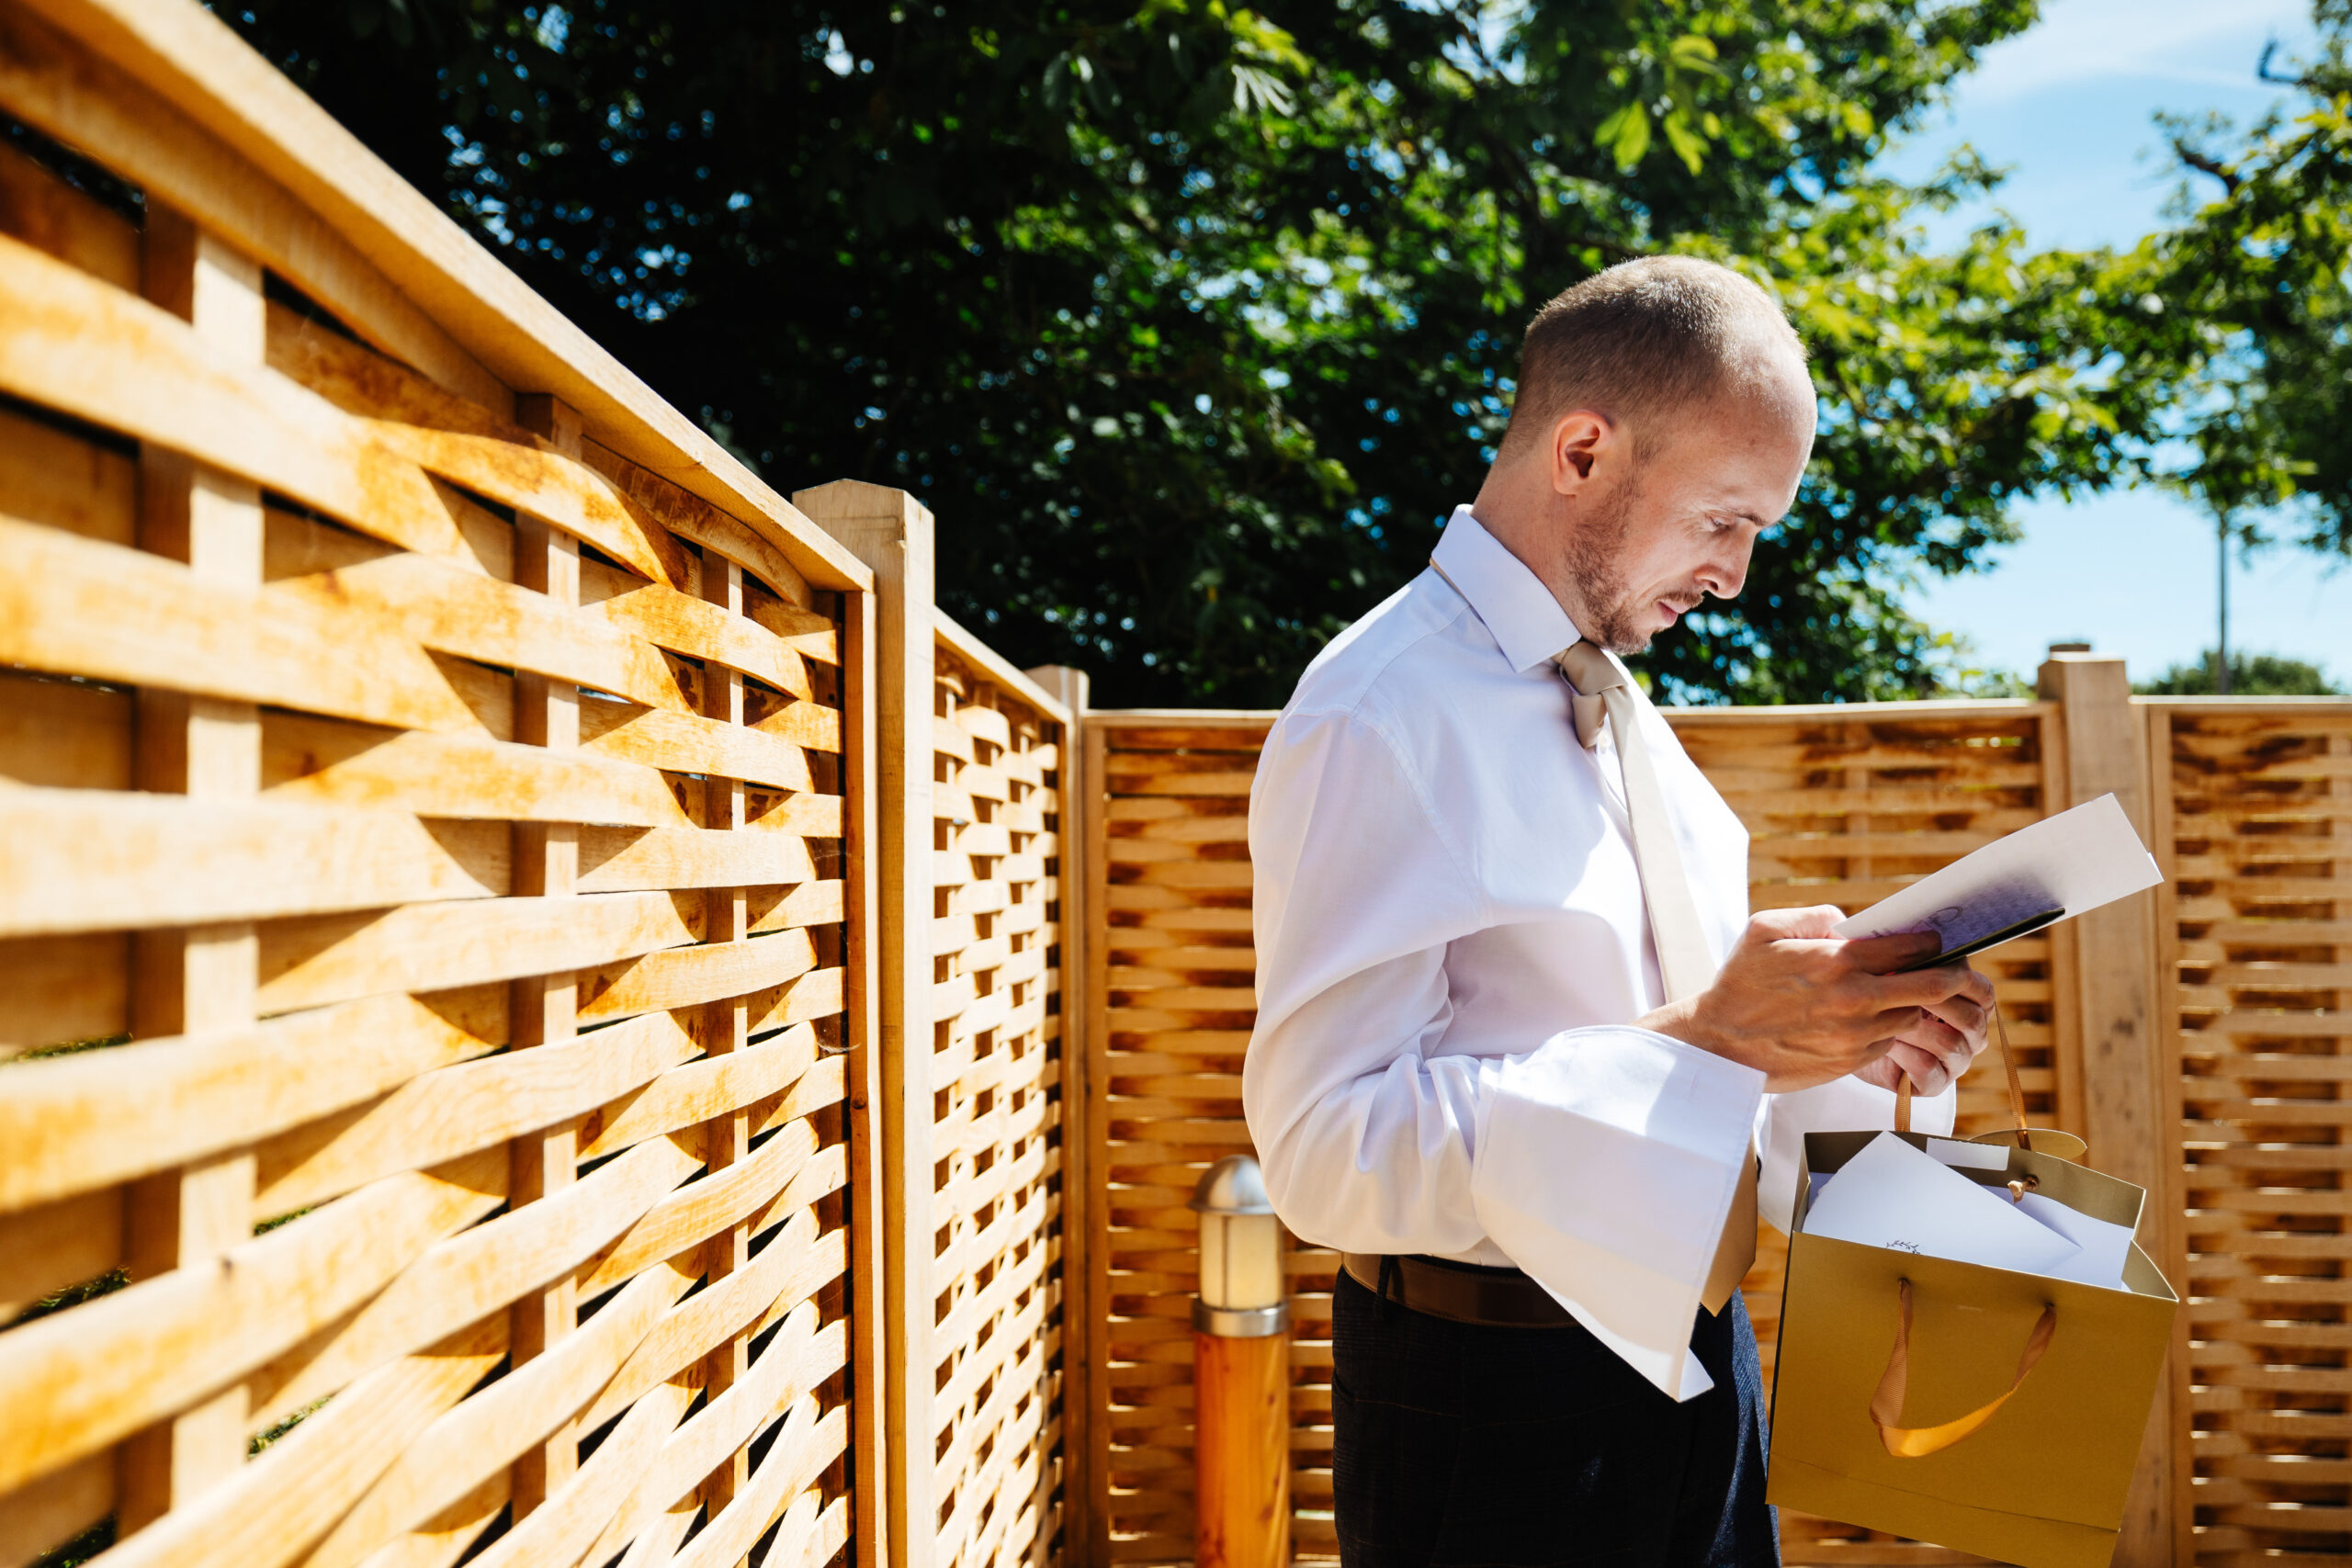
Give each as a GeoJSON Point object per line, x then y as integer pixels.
{"type": "Point", "coordinates": [2259, 330]}
{"type": "Point", "coordinates": [1191, 323]}
{"type": "Point", "coordinates": [2251, 675]}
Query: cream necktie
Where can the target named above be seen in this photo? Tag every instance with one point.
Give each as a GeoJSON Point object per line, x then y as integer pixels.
{"type": "Point", "coordinates": [1603, 694]}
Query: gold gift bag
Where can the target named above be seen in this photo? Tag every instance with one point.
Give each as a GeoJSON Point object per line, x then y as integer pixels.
{"type": "Point", "coordinates": [1982, 1409]}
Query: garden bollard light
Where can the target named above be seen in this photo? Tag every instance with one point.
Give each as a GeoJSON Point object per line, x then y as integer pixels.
{"type": "Point", "coordinates": [1240, 1374]}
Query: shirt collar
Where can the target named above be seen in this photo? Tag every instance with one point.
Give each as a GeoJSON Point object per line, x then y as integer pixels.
{"type": "Point", "coordinates": [1528, 624]}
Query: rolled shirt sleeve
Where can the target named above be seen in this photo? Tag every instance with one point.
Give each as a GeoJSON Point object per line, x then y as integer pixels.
{"type": "Point", "coordinates": [1602, 1159]}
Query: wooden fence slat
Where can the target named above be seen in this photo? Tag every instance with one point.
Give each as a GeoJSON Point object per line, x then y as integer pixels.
{"type": "Point", "coordinates": [198, 977]}
{"type": "Point", "coordinates": [91, 351]}
{"type": "Point", "coordinates": [333, 958]}
{"type": "Point", "coordinates": [213, 1090]}
{"type": "Point", "coordinates": [163, 626]}
{"type": "Point", "coordinates": [2111, 952]}
{"type": "Point", "coordinates": [86, 859]}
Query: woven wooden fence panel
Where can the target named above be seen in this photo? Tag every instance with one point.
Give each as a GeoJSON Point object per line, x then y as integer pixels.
{"type": "Point", "coordinates": [2255, 827]}
{"type": "Point", "coordinates": [1843, 809]}
{"type": "Point", "coordinates": [1170, 910]}
{"type": "Point", "coordinates": [421, 915]}
{"type": "Point", "coordinates": [996, 1073]}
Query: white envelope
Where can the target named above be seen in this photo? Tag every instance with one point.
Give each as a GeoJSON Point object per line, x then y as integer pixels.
{"type": "Point", "coordinates": [2104, 1245]}
{"type": "Point", "coordinates": [1893, 1195]}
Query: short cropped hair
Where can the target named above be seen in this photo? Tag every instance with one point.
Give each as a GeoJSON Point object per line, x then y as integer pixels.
{"type": "Point", "coordinates": [1645, 340]}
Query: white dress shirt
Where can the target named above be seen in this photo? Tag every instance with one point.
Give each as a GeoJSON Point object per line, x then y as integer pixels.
{"type": "Point", "coordinates": [1452, 948]}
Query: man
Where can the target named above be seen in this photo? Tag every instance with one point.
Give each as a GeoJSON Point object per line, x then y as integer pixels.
{"type": "Point", "coordinates": [1517, 1042]}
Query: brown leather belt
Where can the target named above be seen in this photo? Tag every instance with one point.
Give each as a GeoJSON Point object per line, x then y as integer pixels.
{"type": "Point", "coordinates": [1463, 1292]}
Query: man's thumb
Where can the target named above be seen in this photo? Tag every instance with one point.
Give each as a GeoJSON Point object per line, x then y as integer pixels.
{"type": "Point", "coordinates": [1883, 954]}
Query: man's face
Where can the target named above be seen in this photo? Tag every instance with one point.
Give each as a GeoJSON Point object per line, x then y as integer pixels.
{"type": "Point", "coordinates": [1649, 535]}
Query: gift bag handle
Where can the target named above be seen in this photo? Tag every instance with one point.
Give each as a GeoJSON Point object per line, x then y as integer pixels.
{"type": "Point", "coordinates": [1886, 1405]}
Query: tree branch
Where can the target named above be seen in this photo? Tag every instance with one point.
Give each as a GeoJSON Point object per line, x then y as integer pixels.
{"type": "Point", "coordinates": [2205, 163]}
{"type": "Point", "coordinates": [2263, 73]}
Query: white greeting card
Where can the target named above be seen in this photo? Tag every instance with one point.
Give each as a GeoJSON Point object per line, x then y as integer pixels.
{"type": "Point", "coordinates": [1893, 1195]}
{"type": "Point", "coordinates": [2103, 1245]}
{"type": "Point", "coordinates": [2053, 869]}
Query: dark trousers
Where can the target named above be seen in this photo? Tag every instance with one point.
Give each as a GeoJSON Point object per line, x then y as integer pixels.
{"type": "Point", "coordinates": [1458, 1446]}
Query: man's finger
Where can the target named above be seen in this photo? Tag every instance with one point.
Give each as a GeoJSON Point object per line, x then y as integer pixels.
{"type": "Point", "coordinates": [1896, 1024]}
{"type": "Point", "coordinates": [1962, 1014]}
{"type": "Point", "coordinates": [1972, 983]}
{"type": "Point", "coordinates": [1932, 1078]}
{"type": "Point", "coordinates": [1926, 1071]}
{"type": "Point", "coordinates": [1954, 1052]}
{"type": "Point", "coordinates": [1923, 987]}
{"type": "Point", "coordinates": [1933, 1033]}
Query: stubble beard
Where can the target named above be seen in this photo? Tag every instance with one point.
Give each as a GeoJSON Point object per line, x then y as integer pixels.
{"type": "Point", "coordinates": [1594, 553]}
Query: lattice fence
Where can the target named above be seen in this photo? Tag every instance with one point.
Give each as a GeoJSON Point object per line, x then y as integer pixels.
{"type": "Point", "coordinates": [1843, 808]}
{"type": "Point", "coordinates": [997, 1094]}
{"type": "Point", "coordinates": [2256, 829]}
{"type": "Point", "coordinates": [422, 910]}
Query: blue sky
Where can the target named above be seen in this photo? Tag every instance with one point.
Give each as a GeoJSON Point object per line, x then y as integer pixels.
{"type": "Point", "coordinates": [2068, 108]}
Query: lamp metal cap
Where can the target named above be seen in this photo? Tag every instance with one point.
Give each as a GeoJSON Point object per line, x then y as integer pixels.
{"type": "Point", "coordinates": [1234, 1185]}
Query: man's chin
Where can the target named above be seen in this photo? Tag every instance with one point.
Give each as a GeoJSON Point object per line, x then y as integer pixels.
{"type": "Point", "coordinates": [1627, 635]}
{"type": "Point", "coordinates": [1623, 635]}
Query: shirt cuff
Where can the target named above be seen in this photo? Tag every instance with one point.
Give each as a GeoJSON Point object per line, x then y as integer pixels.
{"type": "Point", "coordinates": [1606, 1160]}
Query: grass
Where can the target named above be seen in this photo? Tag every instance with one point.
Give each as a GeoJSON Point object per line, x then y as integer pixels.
{"type": "Point", "coordinates": [73, 1047]}
{"type": "Point", "coordinates": [80, 1548]}
{"type": "Point", "coordinates": [105, 1284]}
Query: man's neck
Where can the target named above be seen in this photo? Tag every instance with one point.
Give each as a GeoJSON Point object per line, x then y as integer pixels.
{"type": "Point", "coordinates": [1523, 517]}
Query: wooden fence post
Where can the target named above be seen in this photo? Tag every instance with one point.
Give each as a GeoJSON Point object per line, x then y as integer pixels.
{"type": "Point", "coordinates": [194, 978]}
{"type": "Point", "coordinates": [1070, 688]}
{"type": "Point", "coordinates": [2125, 1055]}
{"type": "Point", "coordinates": [545, 1009]}
{"type": "Point", "coordinates": [869, 1344]}
{"type": "Point", "coordinates": [891, 532]}
{"type": "Point", "coordinates": [2164, 802]}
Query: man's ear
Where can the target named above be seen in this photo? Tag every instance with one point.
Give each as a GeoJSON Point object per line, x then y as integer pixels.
{"type": "Point", "coordinates": [1580, 439]}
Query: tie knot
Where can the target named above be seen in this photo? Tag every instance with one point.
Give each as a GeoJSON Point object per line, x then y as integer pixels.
{"type": "Point", "coordinates": [1589, 670]}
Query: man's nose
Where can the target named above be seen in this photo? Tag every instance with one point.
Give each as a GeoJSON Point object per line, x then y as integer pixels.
{"type": "Point", "coordinates": [1726, 574]}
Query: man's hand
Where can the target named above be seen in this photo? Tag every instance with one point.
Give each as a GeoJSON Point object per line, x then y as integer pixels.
{"type": "Point", "coordinates": [1803, 1006]}
{"type": "Point", "coordinates": [1940, 1048]}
